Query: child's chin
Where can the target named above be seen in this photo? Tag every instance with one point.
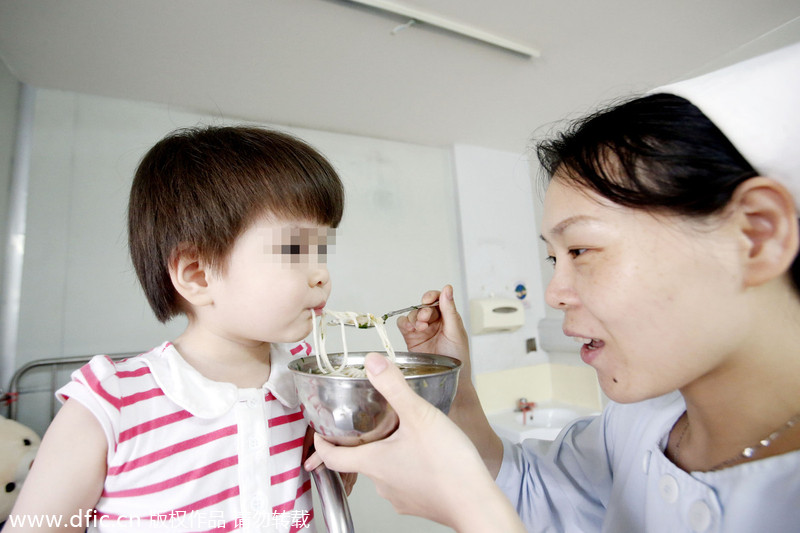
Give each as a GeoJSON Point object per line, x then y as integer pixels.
{"type": "Point", "coordinates": [295, 335]}
{"type": "Point", "coordinates": [287, 340]}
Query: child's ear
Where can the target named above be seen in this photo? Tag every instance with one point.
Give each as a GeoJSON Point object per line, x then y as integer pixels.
{"type": "Point", "coordinates": [190, 275]}
{"type": "Point", "coordinates": [769, 225]}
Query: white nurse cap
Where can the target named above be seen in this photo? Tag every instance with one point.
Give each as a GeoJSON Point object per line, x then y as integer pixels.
{"type": "Point", "coordinates": [756, 104]}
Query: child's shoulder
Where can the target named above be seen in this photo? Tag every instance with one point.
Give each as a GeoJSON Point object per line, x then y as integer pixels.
{"type": "Point", "coordinates": [106, 366]}
{"type": "Point", "coordinates": [103, 375]}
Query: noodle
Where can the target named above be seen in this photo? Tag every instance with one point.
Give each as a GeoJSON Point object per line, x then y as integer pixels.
{"type": "Point", "coordinates": [360, 320]}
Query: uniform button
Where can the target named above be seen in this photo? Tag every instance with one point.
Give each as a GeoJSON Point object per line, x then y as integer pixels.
{"type": "Point", "coordinates": [699, 516]}
{"type": "Point", "coordinates": [646, 461]}
{"type": "Point", "coordinates": [254, 443]}
{"type": "Point", "coordinates": [252, 403]}
{"type": "Point", "coordinates": [668, 488]}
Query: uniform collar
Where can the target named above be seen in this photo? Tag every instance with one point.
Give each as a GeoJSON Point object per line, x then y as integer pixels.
{"type": "Point", "coordinates": [205, 398]}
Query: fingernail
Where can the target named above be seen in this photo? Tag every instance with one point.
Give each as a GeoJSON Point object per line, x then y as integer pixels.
{"type": "Point", "coordinates": [376, 364]}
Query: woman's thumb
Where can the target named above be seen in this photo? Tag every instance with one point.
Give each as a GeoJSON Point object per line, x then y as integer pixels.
{"type": "Point", "coordinates": [389, 381]}
{"type": "Point", "coordinates": [447, 303]}
{"type": "Point", "coordinates": [447, 307]}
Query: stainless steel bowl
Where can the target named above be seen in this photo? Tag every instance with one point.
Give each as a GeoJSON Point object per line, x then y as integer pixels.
{"type": "Point", "coordinates": [349, 411]}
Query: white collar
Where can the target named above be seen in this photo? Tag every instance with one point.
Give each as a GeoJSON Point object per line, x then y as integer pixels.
{"type": "Point", "coordinates": [205, 398]}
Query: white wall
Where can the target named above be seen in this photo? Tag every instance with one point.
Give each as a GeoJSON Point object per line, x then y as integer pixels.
{"type": "Point", "coordinates": [500, 245]}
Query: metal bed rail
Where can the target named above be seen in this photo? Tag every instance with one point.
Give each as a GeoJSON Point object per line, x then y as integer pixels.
{"type": "Point", "coordinates": [53, 366]}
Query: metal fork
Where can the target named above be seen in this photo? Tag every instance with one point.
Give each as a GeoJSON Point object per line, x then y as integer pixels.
{"type": "Point", "coordinates": [366, 322]}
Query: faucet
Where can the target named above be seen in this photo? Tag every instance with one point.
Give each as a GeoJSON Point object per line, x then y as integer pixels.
{"type": "Point", "coordinates": [524, 406]}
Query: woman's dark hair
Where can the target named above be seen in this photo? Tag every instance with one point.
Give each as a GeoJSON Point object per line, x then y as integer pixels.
{"type": "Point", "coordinates": [658, 152]}
{"type": "Point", "coordinates": [202, 187]}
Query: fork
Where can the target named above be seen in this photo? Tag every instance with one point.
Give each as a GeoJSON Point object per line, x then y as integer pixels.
{"type": "Point", "coordinates": [362, 319]}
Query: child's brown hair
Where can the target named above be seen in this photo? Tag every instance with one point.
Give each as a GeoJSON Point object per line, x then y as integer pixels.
{"type": "Point", "coordinates": [202, 187]}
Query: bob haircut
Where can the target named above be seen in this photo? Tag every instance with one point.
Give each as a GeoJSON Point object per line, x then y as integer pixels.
{"type": "Point", "coordinates": [200, 188]}
{"type": "Point", "coordinates": [656, 152]}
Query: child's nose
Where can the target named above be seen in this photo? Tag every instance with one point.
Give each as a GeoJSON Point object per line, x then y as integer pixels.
{"type": "Point", "coordinates": [319, 276]}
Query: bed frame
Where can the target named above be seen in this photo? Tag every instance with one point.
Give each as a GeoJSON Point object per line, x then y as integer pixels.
{"type": "Point", "coordinates": [40, 379]}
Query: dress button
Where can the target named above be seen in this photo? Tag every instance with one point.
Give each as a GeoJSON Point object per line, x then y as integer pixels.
{"type": "Point", "coordinates": [254, 443]}
{"type": "Point", "coordinates": [256, 503]}
{"type": "Point", "coordinates": [252, 403]}
{"type": "Point", "coordinates": [699, 516]}
{"type": "Point", "coordinates": [668, 488]}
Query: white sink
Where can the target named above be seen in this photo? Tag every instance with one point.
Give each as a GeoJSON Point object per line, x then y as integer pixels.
{"type": "Point", "coordinates": [545, 421]}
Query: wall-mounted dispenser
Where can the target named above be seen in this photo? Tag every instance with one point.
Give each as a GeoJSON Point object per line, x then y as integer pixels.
{"type": "Point", "coordinates": [495, 315]}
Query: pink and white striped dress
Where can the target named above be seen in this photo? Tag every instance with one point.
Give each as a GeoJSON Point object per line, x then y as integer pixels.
{"type": "Point", "coordinates": [189, 454]}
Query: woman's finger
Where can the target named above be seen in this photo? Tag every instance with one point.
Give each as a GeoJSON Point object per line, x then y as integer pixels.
{"type": "Point", "coordinates": [342, 458]}
{"type": "Point", "coordinates": [430, 296]}
{"type": "Point", "coordinates": [419, 317]}
{"type": "Point", "coordinates": [427, 315]}
{"type": "Point", "coordinates": [312, 462]}
{"type": "Point", "coordinates": [389, 381]}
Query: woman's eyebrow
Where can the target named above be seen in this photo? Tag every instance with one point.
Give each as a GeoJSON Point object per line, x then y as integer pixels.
{"type": "Point", "coordinates": [559, 228]}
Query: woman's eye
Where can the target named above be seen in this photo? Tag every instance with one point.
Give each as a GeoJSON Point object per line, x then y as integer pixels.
{"type": "Point", "coordinates": [574, 253]}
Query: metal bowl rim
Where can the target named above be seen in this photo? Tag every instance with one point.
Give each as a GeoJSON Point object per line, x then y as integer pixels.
{"type": "Point", "coordinates": [445, 370]}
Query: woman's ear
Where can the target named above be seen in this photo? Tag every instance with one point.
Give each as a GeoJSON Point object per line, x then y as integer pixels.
{"type": "Point", "coordinates": [769, 225]}
{"type": "Point", "coordinates": [190, 276]}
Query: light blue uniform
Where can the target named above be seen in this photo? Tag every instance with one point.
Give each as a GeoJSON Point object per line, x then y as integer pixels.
{"type": "Point", "coordinates": [609, 473]}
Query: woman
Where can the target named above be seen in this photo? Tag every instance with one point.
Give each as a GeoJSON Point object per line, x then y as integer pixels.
{"type": "Point", "coordinates": [675, 254]}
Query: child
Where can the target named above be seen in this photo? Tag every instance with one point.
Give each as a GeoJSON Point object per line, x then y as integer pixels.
{"type": "Point", "coordinates": [228, 226]}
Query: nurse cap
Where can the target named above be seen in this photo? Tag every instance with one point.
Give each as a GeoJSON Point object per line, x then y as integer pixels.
{"type": "Point", "coordinates": [756, 104]}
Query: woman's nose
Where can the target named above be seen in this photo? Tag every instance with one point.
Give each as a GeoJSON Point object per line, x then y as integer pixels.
{"type": "Point", "coordinates": [560, 293]}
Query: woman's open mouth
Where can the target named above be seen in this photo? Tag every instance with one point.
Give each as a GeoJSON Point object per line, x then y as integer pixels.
{"type": "Point", "coordinates": [583, 340]}
{"type": "Point", "coordinates": [590, 349]}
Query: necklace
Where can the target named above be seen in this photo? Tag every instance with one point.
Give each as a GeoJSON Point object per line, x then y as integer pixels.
{"type": "Point", "coordinates": [747, 453]}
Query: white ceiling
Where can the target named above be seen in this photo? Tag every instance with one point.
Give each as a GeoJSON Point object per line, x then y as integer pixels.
{"type": "Point", "coordinates": [331, 65]}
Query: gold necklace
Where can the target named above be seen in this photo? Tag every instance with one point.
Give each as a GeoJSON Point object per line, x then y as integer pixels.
{"type": "Point", "coordinates": [745, 454]}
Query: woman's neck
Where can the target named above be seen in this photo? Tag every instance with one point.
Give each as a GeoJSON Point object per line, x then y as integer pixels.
{"type": "Point", "coordinates": [747, 397]}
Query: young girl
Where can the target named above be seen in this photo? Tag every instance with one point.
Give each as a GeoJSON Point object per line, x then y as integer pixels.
{"type": "Point", "coordinates": [228, 226]}
{"type": "Point", "coordinates": [671, 221]}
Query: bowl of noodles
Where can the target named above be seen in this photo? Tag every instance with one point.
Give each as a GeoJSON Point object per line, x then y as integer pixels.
{"type": "Point", "coordinates": [340, 403]}
{"type": "Point", "coordinates": [348, 411]}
